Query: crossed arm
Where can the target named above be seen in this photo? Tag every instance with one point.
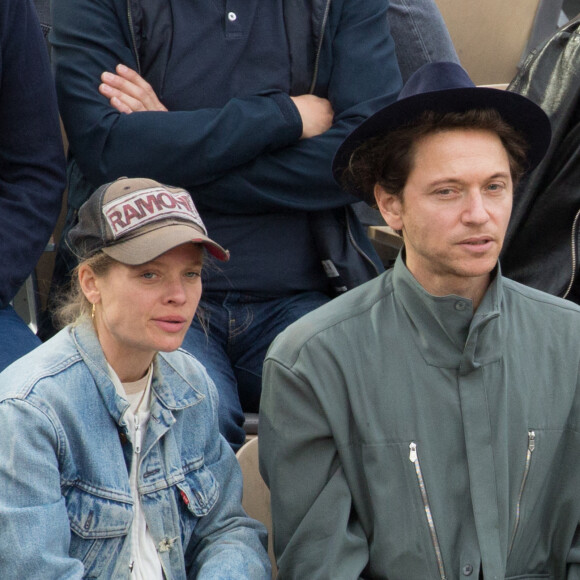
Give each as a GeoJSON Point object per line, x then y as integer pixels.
{"type": "Point", "coordinates": [128, 92]}
{"type": "Point", "coordinates": [251, 143]}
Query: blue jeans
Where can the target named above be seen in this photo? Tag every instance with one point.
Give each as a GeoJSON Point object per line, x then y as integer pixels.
{"type": "Point", "coordinates": [16, 339]}
{"type": "Point", "coordinates": [420, 34]}
{"type": "Point", "coordinates": [240, 328]}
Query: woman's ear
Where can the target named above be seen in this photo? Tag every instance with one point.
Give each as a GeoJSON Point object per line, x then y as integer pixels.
{"type": "Point", "coordinates": [89, 284]}
{"type": "Point", "coordinates": [390, 206]}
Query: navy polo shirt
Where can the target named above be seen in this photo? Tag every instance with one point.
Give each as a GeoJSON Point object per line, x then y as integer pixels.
{"type": "Point", "coordinates": [235, 48]}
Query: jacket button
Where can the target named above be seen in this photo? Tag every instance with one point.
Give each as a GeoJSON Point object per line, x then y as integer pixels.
{"type": "Point", "coordinates": [232, 16]}
{"type": "Point", "coordinates": [460, 305]}
{"type": "Point", "coordinates": [467, 570]}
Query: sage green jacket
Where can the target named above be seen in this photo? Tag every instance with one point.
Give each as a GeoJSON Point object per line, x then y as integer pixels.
{"type": "Point", "coordinates": [404, 436]}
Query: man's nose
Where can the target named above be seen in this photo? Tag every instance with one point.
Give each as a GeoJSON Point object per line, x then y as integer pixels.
{"type": "Point", "coordinates": [475, 210]}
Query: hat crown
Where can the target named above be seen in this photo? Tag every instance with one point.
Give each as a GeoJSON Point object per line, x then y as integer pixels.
{"type": "Point", "coordinates": [443, 87]}
{"type": "Point", "coordinates": [134, 220]}
{"type": "Point", "coordinates": [436, 76]}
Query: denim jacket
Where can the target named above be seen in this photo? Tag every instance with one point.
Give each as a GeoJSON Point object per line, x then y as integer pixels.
{"type": "Point", "coordinates": [66, 507]}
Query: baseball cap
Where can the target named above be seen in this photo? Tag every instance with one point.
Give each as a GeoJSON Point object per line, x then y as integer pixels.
{"type": "Point", "coordinates": [135, 220]}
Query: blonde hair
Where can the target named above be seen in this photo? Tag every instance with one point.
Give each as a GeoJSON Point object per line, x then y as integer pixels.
{"type": "Point", "coordinates": [72, 305]}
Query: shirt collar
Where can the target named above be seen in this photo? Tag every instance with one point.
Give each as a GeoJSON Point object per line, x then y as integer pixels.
{"type": "Point", "coordinates": [445, 328]}
{"type": "Point", "coordinates": [169, 387]}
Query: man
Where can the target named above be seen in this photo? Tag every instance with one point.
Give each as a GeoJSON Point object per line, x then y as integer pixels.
{"type": "Point", "coordinates": [426, 424]}
{"type": "Point", "coordinates": [543, 239]}
{"type": "Point", "coordinates": [32, 165]}
{"type": "Point", "coordinates": [243, 105]}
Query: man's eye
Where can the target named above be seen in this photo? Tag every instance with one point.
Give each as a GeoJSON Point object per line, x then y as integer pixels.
{"type": "Point", "coordinates": [148, 275]}
{"type": "Point", "coordinates": [193, 274]}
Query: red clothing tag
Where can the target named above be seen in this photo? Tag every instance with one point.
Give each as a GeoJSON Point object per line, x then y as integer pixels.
{"type": "Point", "coordinates": [184, 497]}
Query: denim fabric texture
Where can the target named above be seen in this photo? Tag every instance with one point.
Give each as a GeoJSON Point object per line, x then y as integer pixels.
{"type": "Point", "coordinates": [420, 34]}
{"type": "Point", "coordinates": [16, 339]}
{"type": "Point", "coordinates": [66, 507]}
{"type": "Point", "coordinates": [238, 331]}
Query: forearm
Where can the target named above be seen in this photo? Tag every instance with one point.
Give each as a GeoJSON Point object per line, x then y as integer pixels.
{"type": "Point", "coordinates": [246, 560]}
{"type": "Point", "coordinates": [34, 525]}
{"type": "Point", "coordinates": [226, 533]}
{"type": "Point", "coordinates": [359, 75]}
{"type": "Point", "coordinates": [312, 509]}
{"type": "Point", "coordinates": [296, 178]}
{"type": "Point", "coordinates": [178, 147]}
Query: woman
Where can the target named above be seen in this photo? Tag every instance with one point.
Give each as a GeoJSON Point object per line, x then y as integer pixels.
{"type": "Point", "coordinates": [112, 465]}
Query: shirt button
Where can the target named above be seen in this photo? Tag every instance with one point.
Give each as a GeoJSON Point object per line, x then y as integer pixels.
{"type": "Point", "coordinates": [460, 305]}
{"type": "Point", "coordinates": [232, 16]}
{"type": "Point", "coordinates": [467, 570]}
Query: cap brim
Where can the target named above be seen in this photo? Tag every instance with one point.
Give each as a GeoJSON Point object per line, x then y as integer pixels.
{"type": "Point", "coordinates": [517, 110]}
{"type": "Point", "coordinates": [152, 244]}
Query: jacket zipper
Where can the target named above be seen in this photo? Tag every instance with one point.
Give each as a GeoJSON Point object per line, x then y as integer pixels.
{"type": "Point", "coordinates": [137, 434]}
{"type": "Point", "coordinates": [133, 39]}
{"type": "Point", "coordinates": [531, 447]}
{"type": "Point", "coordinates": [319, 47]}
{"type": "Point", "coordinates": [414, 458]}
{"type": "Point", "coordinates": [574, 259]}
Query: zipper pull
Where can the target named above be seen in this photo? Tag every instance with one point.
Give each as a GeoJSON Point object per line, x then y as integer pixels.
{"type": "Point", "coordinates": [137, 435]}
{"type": "Point", "coordinates": [412, 452]}
{"type": "Point", "coordinates": [531, 440]}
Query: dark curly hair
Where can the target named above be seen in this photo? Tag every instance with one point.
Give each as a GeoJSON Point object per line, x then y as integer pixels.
{"type": "Point", "coordinates": [388, 159]}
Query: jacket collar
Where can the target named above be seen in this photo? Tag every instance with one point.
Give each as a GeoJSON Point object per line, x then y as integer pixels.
{"type": "Point", "coordinates": [171, 389]}
{"type": "Point", "coordinates": [445, 329]}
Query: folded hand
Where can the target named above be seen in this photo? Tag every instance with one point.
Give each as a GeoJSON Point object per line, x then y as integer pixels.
{"type": "Point", "coordinates": [128, 92]}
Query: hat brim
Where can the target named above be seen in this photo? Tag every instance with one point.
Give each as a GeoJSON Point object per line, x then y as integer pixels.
{"type": "Point", "coordinates": [153, 243]}
{"type": "Point", "coordinates": [518, 111]}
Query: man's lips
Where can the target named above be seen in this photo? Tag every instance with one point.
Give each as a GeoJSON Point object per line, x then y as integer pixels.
{"type": "Point", "coordinates": [483, 240]}
{"type": "Point", "coordinates": [477, 243]}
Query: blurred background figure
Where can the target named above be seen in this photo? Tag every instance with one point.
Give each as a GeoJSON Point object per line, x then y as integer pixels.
{"type": "Point", "coordinates": [32, 165]}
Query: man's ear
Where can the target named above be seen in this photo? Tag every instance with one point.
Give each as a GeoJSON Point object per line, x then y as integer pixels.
{"type": "Point", "coordinates": [390, 206]}
{"type": "Point", "coordinates": [89, 284]}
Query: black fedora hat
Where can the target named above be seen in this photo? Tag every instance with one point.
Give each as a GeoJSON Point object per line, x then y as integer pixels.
{"type": "Point", "coordinates": [445, 87]}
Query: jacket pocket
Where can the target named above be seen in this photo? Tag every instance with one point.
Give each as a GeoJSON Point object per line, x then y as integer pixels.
{"type": "Point", "coordinates": [199, 491]}
{"type": "Point", "coordinates": [526, 472]}
{"type": "Point", "coordinates": [392, 511]}
{"type": "Point", "coordinates": [414, 459]}
{"type": "Point", "coordinates": [99, 527]}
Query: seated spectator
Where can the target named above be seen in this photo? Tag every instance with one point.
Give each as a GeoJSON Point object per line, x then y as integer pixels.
{"type": "Point", "coordinates": [32, 164]}
{"type": "Point", "coordinates": [112, 465]}
{"type": "Point", "coordinates": [542, 247]}
{"type": "Point", "coordinates": [244, 107]}
{"type": "Point", "coordinates": [425, 424]}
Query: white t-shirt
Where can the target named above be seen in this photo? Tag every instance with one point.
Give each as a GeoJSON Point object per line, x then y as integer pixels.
{"type": "Point", "coordinates": [145, 562]}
